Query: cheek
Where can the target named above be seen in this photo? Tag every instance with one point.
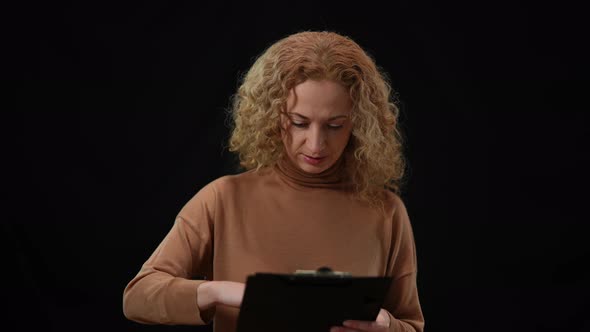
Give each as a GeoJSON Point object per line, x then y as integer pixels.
{"type": "Point", "coordinates": [343, 138]}
{"type": "Point", "coordinates": [291, 139]}
{"type": "Point", "coordinates": [295, 138]}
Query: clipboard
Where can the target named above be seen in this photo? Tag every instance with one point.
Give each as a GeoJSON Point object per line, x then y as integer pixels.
{"type": "Point", "coordinates": [309, 300]}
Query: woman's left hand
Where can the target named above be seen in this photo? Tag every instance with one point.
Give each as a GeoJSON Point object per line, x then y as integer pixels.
{"type": "Point", "coordinates": [381, 324]}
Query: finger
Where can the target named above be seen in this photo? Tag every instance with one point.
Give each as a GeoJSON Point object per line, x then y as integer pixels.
{"type": "Point", "coordinates": [343, 329]}
{"type": "Point", "coordinates": [368, 326]}
{"type": "Point", "coordinates": [383, 318]}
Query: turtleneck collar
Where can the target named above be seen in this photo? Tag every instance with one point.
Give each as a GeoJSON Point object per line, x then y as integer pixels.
{"type": "Point", "coordinates": [333, 177]}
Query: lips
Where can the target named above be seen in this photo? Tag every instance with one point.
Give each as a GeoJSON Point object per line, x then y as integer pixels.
{"type": "Point", "coordinates": [313, 160]}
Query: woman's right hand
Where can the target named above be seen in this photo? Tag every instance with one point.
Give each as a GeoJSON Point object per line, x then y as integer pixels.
{"type": "Point", "coordinates": [230, 293]}
{"type": "Point", "coordinates": [212, 293]}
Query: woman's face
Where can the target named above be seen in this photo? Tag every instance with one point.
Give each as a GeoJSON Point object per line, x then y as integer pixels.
{"type": "Point", "coordinates": [317, 126]}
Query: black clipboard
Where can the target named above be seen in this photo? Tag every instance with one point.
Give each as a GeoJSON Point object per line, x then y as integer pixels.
{"type": "Point", "coordinates": [309, 301]}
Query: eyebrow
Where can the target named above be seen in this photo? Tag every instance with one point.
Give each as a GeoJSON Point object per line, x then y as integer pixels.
{"type": "Point", "coordinates": [332, 118]}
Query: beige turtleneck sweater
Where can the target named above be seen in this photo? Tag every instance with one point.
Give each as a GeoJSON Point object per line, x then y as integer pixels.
{"type": "Point", "coordinates": [275, 220]}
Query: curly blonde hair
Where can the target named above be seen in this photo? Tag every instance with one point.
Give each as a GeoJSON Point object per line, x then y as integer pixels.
{"type": "Point", "coordinates": [374, 155]}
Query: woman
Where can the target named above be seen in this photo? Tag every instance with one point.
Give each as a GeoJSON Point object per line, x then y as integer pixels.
{"type": "Point", "coordinates": [316, 130]}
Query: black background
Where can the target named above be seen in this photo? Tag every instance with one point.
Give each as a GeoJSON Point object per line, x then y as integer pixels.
{"type": "Point", "coordinates": [119, 117]}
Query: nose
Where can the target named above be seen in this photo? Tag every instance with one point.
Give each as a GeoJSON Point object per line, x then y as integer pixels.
{"type": "Point", "coordinates": [316, 141]}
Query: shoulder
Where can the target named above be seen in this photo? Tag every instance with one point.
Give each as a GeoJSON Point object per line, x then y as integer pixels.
{"type": "Point", "coordinates": [206, 199]}
{"type": "Point", "coordinates": [230, 184]}
{"type": "Point", "coordinates": [397, 214]}
{"type": "Point", "coordinates": [233, 180]}
{"type": "Point", "coordinates": [394, 204]}
{"type": "Point", "coordinates": [238, 183]}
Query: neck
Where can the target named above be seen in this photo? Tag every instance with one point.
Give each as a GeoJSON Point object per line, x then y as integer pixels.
{"type": "Point", "coordinates": [333, 177]}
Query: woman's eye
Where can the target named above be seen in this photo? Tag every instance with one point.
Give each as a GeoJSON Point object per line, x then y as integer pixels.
{"type": "Point", "coordinates": [299, 124]}
{"type": "Point", "coordinates": [335, 126]}
{"type": "Point", "coordinates": [305, 125]}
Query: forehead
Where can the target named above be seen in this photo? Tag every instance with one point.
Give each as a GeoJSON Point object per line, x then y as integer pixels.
{"type": "Point", "coordinates": [319, 98]}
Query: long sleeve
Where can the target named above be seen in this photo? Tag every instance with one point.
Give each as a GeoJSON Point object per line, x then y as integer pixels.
{"type": "Point", "coordinates": [402, 302]}
{"type": "Point", "coordinates": [162, 292]}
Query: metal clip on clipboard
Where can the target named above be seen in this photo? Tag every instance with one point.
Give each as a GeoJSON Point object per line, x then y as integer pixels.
{"type": "Point", "coordinates": [323, 271]}
{"type": "Point", "coordinates": [321, 276]}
